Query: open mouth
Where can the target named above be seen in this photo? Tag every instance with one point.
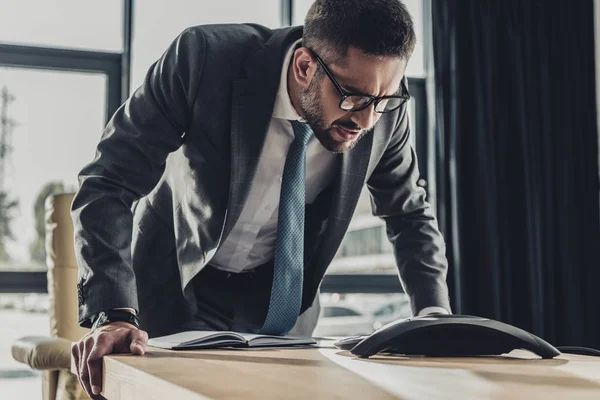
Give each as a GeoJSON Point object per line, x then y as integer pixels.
{"type": "Point", "coordinates": [346, 134]}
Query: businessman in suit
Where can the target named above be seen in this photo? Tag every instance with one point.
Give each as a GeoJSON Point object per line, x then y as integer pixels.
{"type": "Point", "coordinates": [224, 185]}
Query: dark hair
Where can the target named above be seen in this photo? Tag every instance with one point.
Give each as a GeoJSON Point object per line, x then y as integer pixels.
{"type": "Point", "coordinates": [377, 27]}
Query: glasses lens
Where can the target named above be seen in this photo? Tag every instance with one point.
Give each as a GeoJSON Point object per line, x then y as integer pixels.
{"type": "Point", "coordinates": [352, 103]}
{"type": "Point", "coordinates": [389, 104]}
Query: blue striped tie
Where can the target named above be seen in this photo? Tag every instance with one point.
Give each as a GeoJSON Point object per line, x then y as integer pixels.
{"type": "Point", "coordinates": [288, 271]}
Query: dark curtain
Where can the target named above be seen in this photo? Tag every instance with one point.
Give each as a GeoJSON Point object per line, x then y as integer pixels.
{"type": "Point", "coordinates": [517, 163]}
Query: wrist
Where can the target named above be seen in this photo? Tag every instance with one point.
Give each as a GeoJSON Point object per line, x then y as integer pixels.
{"type": "Point", "coordinates": [131, 310]}
{"type": "Point", "coordinates": [432, 310]}
{"type": "Point", "coordinates": [112, 316]}
{"type": "Point", "coordinates": [114, 325]}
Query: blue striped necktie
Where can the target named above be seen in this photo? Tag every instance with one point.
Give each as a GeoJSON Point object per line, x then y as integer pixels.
{"type": "Point", "coordinates": [288, 271]}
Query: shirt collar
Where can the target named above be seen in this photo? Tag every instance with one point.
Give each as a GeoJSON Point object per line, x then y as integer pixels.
{"type": "Point", "coordinates": [283, 104]}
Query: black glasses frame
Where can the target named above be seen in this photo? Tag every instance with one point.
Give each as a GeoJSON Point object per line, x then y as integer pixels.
{"type": "Point", "coordinates": [372, 99]}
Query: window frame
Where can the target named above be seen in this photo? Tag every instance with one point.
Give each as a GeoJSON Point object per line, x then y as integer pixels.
{"type": "Point", "coordinates": [116, 67]}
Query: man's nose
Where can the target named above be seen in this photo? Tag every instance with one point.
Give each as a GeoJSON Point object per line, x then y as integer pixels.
{"type": "Point", "coordinates": [365, 118]}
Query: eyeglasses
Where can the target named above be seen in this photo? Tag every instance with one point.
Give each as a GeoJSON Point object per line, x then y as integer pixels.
{"type": "Point", "coordinates": [357, 101]}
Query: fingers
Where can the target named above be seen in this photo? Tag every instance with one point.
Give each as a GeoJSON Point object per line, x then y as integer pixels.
{"type": "Point", "coordinates": [75, 355]}
{"type": "Point", "coordinates": [139, 341]}
{"type": "Point", "coordinates": [103, 346]}
{"type": "Point", "coordinates": [88, 352]}
{"type": "Point", "coordinates": [82, 369]}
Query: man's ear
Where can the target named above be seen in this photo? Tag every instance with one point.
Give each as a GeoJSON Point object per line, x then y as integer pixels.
{"type": "Point", "coordinates": [304, 66]}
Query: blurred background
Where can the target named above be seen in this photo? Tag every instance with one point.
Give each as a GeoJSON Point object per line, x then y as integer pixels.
{"type": "Point", "coordinates": [505, 124]}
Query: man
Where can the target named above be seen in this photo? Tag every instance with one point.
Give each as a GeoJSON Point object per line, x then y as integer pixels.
{"type": "Point", "coordinates": [243, 155]}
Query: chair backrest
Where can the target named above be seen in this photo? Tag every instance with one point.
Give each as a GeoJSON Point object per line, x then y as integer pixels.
{"type": "Point", "coordinates": [62, 293]}
{"type": "Point", "coordinates": [62, 268]}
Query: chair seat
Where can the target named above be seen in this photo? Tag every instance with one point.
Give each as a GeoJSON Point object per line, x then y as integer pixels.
{"type": "Point", "coordinates": [43, 352]}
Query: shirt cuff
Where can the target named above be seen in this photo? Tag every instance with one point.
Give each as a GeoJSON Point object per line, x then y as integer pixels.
{"type": "Point", "coordinates": [430, 310]}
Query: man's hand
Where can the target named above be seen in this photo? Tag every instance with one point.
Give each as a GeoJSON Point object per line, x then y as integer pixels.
{"type": "Point", "coordinates": [114, 337]}
{"type": "Point", "coordinates": [434, 310]}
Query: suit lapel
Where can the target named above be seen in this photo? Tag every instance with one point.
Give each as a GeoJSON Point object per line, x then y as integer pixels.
{"type": "Point", "coordinates": [350, 178]}
{"type": "Point", "coordinates": [253, 99]}
{"type": "Point", "coordinates": [249, 123]}
{"type": "Point", "coordinates": [349, 181]}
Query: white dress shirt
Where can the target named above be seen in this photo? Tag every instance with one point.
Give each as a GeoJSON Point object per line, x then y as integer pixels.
{"type": "Point", "coordinates": [252, 239]}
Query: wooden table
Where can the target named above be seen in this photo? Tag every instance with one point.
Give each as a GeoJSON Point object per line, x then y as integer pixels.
{"type": "Point", "coordinates": [327, 373]}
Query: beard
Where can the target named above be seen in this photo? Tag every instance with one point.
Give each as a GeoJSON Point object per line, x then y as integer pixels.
{"type": "Point", "coordinates": [312, 107]}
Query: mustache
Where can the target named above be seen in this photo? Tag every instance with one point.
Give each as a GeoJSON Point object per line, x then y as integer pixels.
{"type": "Point", "coordinates": [350, 127]}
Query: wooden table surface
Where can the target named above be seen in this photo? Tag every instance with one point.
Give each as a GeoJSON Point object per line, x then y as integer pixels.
{"type": "Point", "coordinates": [328, 373]}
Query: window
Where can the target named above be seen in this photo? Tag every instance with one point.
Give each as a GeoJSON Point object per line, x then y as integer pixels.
{"type": "Point", "coordinates": [362, 242]}
{"type": "Point", "coordinates": [89, 25]}
{"type": "Point", "coordinates": [153, 31]}
{"type": "Point", "coordinates": [54, 104]}
{"type": "Point", "coordinates": [385, 310]}
{"type": "Point", "coordinates": [359, 314]}
{"type": "Point", "coordinates": [58, 118]}
{"type": "Point", "coordinates": [329, 312]}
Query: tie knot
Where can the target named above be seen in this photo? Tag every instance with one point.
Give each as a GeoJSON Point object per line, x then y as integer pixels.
{"type": "Point", "coordinates": [302, 131]}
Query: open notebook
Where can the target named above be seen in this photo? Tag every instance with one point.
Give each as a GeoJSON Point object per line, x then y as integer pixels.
{"type": "Point", "coordinates": [214, 339]}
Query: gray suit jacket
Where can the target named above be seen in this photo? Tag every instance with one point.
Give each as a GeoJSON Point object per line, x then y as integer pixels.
{"type": "Point", "coordinates": [174, 167]}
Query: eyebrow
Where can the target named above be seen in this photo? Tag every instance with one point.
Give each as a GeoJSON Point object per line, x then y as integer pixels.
{"type": "Point", "coordinates": [399, 91]}
{"type": "Point", "coordinates": [352, 89]}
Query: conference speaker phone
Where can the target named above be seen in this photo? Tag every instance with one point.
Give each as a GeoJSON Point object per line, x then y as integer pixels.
{"type": "Point", "coordinates": [447, 336]}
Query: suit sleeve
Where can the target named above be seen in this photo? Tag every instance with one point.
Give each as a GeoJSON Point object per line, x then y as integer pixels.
{"type": "Point", "coordinates": [130, 160]}
{"type": "Point", "coordinates": [412, 228]}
